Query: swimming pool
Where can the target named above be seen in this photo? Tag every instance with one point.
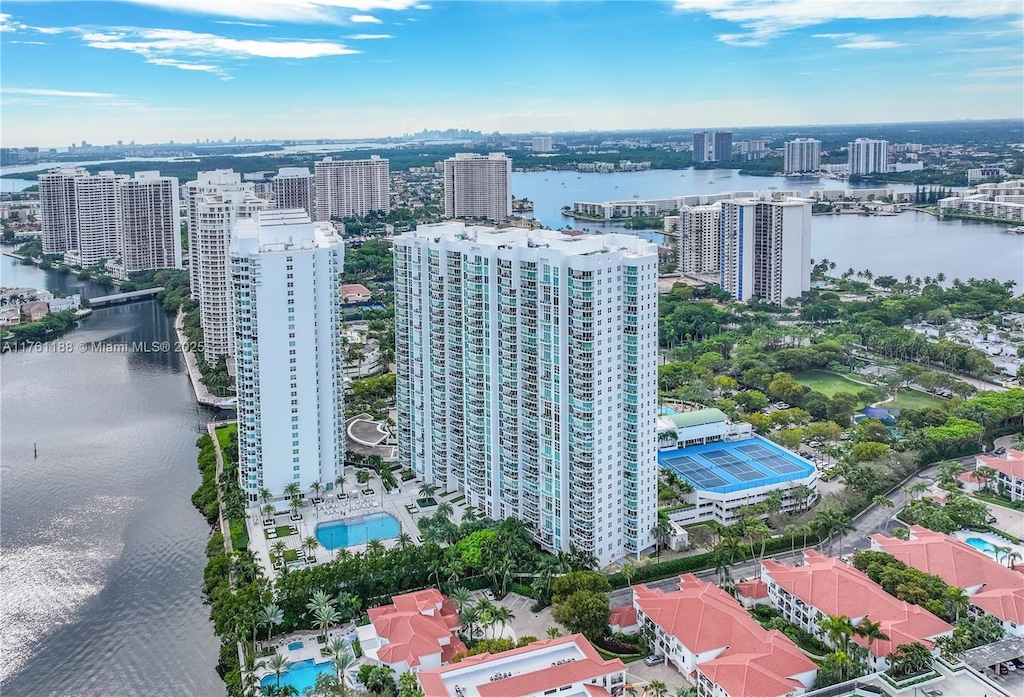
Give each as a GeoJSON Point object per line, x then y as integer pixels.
{"type": "Point", "coordinates": [358, 530]}
{"type": "Point", "coordinates": [295, 646]}
{"type": "Point", "coordinates": [300, 675]}
{"type": "Point", "coordinates": [666, 411]}
{"type": "Point", "coordinates": [982, 546]}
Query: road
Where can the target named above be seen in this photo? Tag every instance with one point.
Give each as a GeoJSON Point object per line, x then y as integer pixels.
{"type": "Point", "coordinates": [872, 520]}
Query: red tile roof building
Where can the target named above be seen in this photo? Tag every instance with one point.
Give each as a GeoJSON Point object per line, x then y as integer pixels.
{"type": "Point", "coordinates": [827, 586]}
{"type": "Point", "coordinates": [993, 588]}
{"type": "Point", "coordinates": [355, 293]}
{"type": "Point", "coordinates": [705, 633]}
{"type": "Point", "coordinates": [1010, 466]}
{"type": "Point", "coordinates": [413, 634]}
{"type": "Point", "coordinates": [566, 666]}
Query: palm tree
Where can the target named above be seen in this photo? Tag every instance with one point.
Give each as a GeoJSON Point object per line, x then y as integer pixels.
{"type": "Point", "coordinates": [661, 532]}
{"type": "Point", "coordinates": [553, 633]}
{"type": "Point", "coordinates": [343, 663]}
{"type": "Point", "coordinates": [871, 631]}
{"type": "Point", "coordinates": [656, 688]}
{"type": "Point", "coordinates": [444, 510]}
{"type": "Point", "coordinates": [310, 545]}
{"type": "Point", "coordinates": [296, 505]}
{"type": "Point", "coordinates": [956, 601]}
{"type": "Point", "coordinates": [502, 615]}
{"type": "Point", "coordinates": [320, 599]}
{"type": "Point", "coordinates": [317, 488]}
{"type": "Point", "coordinates": [339, 482]}
{"type": "Point", "coordinates": [469, 617]}
{"type": "Point", "coordinates": [628, 572]}
{"type": "Point", "coordinates": [375, 547]}
{"type": "Point", "coordinates": [268, 511]}
{"type": "Point", "coordinates": [404, 540]}
{"type": "Point", "coordinates": [460, 596]}
{"type": "Point", "coordinates": [882, 502]}
{"type": "Point", "coordinates": [292, 490]}
{"type": "Point", "coordinates": [1012, 558]}
{"type": "Point", "coordinates": [427, 491]}
{"type": "Point", "coordinates": [278, 665]}
{"type": "Point", "coordinates": [270, 615]}
{"type": "Point", "coordinates": [278, 549]}
{"type": "Point", "coordinates": [326, 617]}
{"type": "Point", "coordinates": [470, 515]}
{"type": "Point", "coordinates": [838, 629]}
{"type": "Point", "coordinates": [265, 495]}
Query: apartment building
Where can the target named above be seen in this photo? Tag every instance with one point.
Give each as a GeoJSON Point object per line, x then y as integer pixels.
{"type": "Point", "coordinates": [527, 378]}
{"type": "Point", "coordinates": [58, 209]}
{"type": "Point", "coordinates": [295, 187]}
{"type": "Point", "coordinates": [415, 633]}
{"type": "Point", "coordinates": [802, 155]}
{"type": "Point", "coordinates": [98, 217]}
{"type": "Point", "coordinates": [216, 213]}
{"type": "Point", "coordinates": [150, 222]}
{"type": "Point", "coordinates": [700, 147]}
{"type": "Point", "coordinates": [765, 248]}
{"type": "Point", "coordinates": [209, 182]}
{"type": "Point", "coordinates": [285, 272]}
{"type": "Point", "coordinates": [992, 588]}
{"type": "Point", "coordinates": [697, 245]}
{"type": "Point", "coordinates": [541, 144]}
{"type": "Point", "coordinates": [706, 635]}
{"type": "Point", "coordinates": [478, 186]}
{"type": "Point", "coordinates": [1002, 202]}
{"type": "Point", "coordinates": [866, 156]}
{"type": "Point", "coordinates": [1009, 467]}
{"type": "Point", "coordinates": [566, 666]}
{"type": "Point", "coordinates": [721, 146]}
{"type": "Point", "coordinates": [352, 188]}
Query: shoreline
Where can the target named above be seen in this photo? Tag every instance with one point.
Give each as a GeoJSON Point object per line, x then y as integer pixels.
{"type": "Point", "coordinates": [203, 396]}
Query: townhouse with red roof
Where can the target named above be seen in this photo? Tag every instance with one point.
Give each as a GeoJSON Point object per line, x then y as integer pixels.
{"type": "Point", "coordinates": [1009, 464]}
{"type": "Point", "coordinates": [827, 586]}
{"type": "Point", "coordinates": [710, 638]}
{"type": "Point", "coordinates": [566, 666]}
{"type": "Point", "coordinates": [993, 589]}
{"type": "Point", "coordinates": [416, 633]}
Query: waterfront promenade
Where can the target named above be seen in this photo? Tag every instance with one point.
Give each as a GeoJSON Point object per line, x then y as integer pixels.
{"type": "Point", "coordinates": [203, 395]}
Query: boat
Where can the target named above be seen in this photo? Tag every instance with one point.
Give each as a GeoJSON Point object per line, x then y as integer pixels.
{"type": "Point", "coordinates": [773, 187]}
{"type": "Point", "coordinates": [711, 181]}
{"type": "Point", "coordinates": [228, 403]}
{"type": "Point", "coordinates": [636, 195]}
{"type": "Point", "coordinates": [1019, 230]}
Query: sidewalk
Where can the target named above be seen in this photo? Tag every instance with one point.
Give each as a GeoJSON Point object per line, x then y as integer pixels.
{"type": "Point", "coordinates": [203, 395]}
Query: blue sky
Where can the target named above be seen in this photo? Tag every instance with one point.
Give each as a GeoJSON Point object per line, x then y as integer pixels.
{"type": "Point", "coordinates": [154, 70]}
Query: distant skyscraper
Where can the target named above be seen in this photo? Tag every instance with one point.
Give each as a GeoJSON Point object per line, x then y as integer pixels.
{"type": "Point", "coordinates": [295, 187]}
{"type": "Point", "coordinates": [765, 248]}
{"type": "Point", "coordinates": [802, 155]}
{"type": "Point", "coordinates": [700, 146]}
{"type": "Point", "coordinates": [216, 201]}
{"type": "Point", "coordinates": [527, 378]}
{"type": "Point", "coordinates": [541, 144]}
{"type": "Point", "coordinates": [352, 188]}
{"type": "Point", "coordinates": [867, 156]}
{"type": "Point", "coordinates": [721, 146]}
{"type": "Point", "coordinates": [478, 186]}
{"type": "Point", "coordinates": [285, 272]}
{"type": "Point", "coordinates": [150, 222]}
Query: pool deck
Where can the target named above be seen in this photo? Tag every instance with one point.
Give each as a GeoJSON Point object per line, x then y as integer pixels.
{"type": "Point", "coordinates": [310, 647]}
{"type": "Point", "coordinates": [332, 509]}
{"type": "Point", "coordinates": [992, 539]}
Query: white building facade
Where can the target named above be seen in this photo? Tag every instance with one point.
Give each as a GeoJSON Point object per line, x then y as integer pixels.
{"type": "Point", "coordinates": [698, 248]}
{"type": "Point", "coordinates": [150, 222]}
{"type": "Point", "coordinates": [802, 155]}
{"type": "Point", "coordinates": [352, 188]}
{"type": "Point", "coordinates": [765, 248]}
{"type": "Point", "coordinates": [295, 187]}
{"type": "Point", "coordinates": [867, 156]}
{"type": "Point", "coordinates": [478, 186]}
{"type": "Point", "coordinates": [285, 272]}
{"type": "Point", "coordinates": [527, 378]}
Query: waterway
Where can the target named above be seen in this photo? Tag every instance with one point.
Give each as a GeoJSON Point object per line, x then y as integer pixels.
{"type": "Point", "coordinates": [103, 553]}
{"type": "Point", "coordinates": [910, 243]}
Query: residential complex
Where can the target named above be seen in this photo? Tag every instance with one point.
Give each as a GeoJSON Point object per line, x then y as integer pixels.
{"type": "Point", "coordinates": [415, 633]}
{"type": "Point", "coordinates": [216, 200]}
{"type": "Point", "coordinates": [1009, 467]}
{"type": "Point", "coordinates": [541, 144]}
{"type": "Point", "coordinates": [1001, 202]}
{"type": "Point", "coordinates": [992, 588]}
{"type": "Point", "coordinates": [802, 155]}
{"type": "Point", "coordinates": [634, 207]}
{"type": "Point", "coordinates": [478, 186]}
{"type": "Point", "coordinates": [527, 378]}
{"type": "Point", "coordinates": [721, 146]}
{"type": "Point", "coordinates": [285, 273]}
{"type": "Point", "coordinates": [295, 187]}
{"type": "Point", "coordinates": [567, 666]}
{"type": "Point", "coordinates": [352, 188]}
{"type": "Point", "coordinates": [827, 586]}
{"type": "Point", "coordinates": [132, 222]}
{"type": "Point", "coordinates": [705, 634]}
{"type": "Point", "coordinates": [867, 156]}
{"type": "Point", "coordinates": [765, 248]}
{"type": "Point", "coordinates": [700, 147]}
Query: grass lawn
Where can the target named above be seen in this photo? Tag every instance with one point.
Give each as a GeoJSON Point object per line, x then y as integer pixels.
{"type": "Point", "coordinates": [239, 535]}
{"type": "Point", "coordinates": [829, 383]}
{"type": "Point", "coordinates": [224, 434]}
{"type": "Point", "coordinates": [291, 555]}
{"type": "Point", "coordinates": [912, 399]}
{"type": "Point", "coordinates": [995, 500]}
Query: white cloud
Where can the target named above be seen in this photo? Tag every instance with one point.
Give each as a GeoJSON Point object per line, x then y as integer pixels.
{"type": "Point", "coordinates": [765, 20]}
{"type": "Point", "coordinates": [859, 41]}
{"type": "Point", "coordinates": [368, 37]}
{"type": "Point", "coordinates": [364, 19]}
{"type": "Point", "coordinates": [35, 92]}
{"type": "Point", "coordinates": [292, 11]}
{"type": "Point", "coordinates": [241, 24]}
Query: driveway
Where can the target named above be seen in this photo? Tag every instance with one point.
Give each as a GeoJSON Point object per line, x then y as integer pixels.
{"type": "Point", "coordinates": [525, 622]}
{"type": "Point", "coordinates": [640, 672]}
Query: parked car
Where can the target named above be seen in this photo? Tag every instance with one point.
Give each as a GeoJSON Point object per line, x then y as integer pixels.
{"type": "Point", "coordinates": [991, 519]}
{"type": "Point", "coordinates": [654, 660]}
{"type": "Point", "coordinates": [488, 594]}
{"type": "Point", "coordinates": [1009, 665]}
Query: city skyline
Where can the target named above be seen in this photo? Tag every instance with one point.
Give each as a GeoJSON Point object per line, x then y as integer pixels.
{"type": "Point", "coordinates": [155, 70]}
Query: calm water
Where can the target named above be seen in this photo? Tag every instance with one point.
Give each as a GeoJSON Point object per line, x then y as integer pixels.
{"type": "Point", "coordinates": [103, 552]}
{"type": "Point", "coordinates": [911, 243]}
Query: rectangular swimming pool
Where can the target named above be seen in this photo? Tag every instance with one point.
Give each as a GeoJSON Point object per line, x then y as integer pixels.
{"type": "Point", "coordinates": [358, 530]}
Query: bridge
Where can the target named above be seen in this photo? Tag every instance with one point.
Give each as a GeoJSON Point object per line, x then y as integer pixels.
{"type": "Point", "coordinates": [133, 296]}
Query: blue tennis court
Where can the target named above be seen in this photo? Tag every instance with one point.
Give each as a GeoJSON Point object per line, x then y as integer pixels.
{"type": "Point", "coordinates": [741, 464]}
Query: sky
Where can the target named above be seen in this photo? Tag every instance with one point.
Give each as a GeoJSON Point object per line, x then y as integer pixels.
{"type": "Point", "coordinates": [158, 70]}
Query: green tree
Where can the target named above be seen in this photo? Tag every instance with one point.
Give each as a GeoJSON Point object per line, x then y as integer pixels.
{"type": "Point", "coordinates": [278, 665]}
{"type": "Point", "coordinates": [269, 616]}
{"type": "Point", "coordinates": [585, 612]}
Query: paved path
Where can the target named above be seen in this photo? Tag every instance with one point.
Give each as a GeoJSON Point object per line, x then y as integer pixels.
{"type": "Point", "coordinates": [203, 395]}
{"type": "Point", "coordinates": [225, 527]}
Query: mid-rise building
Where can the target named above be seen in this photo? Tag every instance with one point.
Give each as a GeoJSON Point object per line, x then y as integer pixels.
{"type": "Point", "coordinates": [867, 155]}
{"type": "Point", "coordinates": [527, 378]}
{"type": "Point", "coordinates": [478, 186]}
{"type": "Point", "coordinates": [295, 187]}
{"type": "Point", "coordinates": [765, 248]}
{"type": "Point", "coordinates": [1009, 467]}
{"type": "Point", "coordinates": [415, 633]}
{"type": "Point", "coordinates": [216, 215]}
{"type": "Point", "coordinates": [802, 155]}
{"type": "Point", "coordinates": [700, 147]}
{"type": "Point", "coordinates": [754, 149]}
{"type": "Point", "coordinates": [697, 244]}
{"type": "Point", "coordinates": [285, 272]}
{"type": "Point", "coordinates": [150, 222]}
{"type": "Point", "coordinates": [131, 221]}
{"type": "Point", "coordinates": [352, 188]}
{"type": "Point", "coordinates": [541, 144]}
{"type": "Point", "coordinates": [209, 182]}
{"type": "Point", "coordinates": [721, 146]}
